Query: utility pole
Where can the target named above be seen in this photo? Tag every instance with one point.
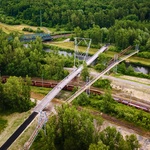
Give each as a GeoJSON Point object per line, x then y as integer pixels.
{"type": "Point", "coordinates": [88, 89]}
{"type": "Point", "coordinates": [40, 15]}
{"type": "Point", "coordinates": [83, 55]}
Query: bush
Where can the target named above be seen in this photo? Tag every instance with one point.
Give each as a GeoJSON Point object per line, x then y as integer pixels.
{"type": "Point", "coordinates": [130, 114]}
{"type": "Point", "coordinates": [103, 83]}
{"type": "Point", "coordinates": [144, 55]}
{"type": "Point", "coordinates": [28, 29]}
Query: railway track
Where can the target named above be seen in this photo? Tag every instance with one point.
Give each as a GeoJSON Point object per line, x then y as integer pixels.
{"type": "Point", "coordinates": [140, 104]}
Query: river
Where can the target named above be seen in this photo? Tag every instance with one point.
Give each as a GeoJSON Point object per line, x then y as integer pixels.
{"type": "Point", "coordinates": [142, 69]}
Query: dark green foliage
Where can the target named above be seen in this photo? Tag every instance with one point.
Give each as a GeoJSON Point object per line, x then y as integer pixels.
{"type": "Point", "coordinates": [103, 83]}
{"type": "Point", "coordinates": [70, 129]}
{"type": "Point", "coordinates": [121, 22]}
{"type": "Point", "coordinates": [99, 146]}
{"type": "Point", "coordinates": [144, 55]}
{"type": "Point", "coordinates": [114, 139]}
{"type": "Point", "coordinates": [82, 100]}
{"type": "Point", "coordinates": [85, 72]}
{"type": "Point", "coordinates": [74, 130]}
{"type": "Point", "coordinates": [27, 29]}
{"type": "Point", "coordinates": [106, 104]}
{"type": "Point", "coordinates": [15, 95]}
{"type": "Point", "coordinates": [122, 69]}
{"type": "Point", "coordinates": [101, 62]}
{"type": "Point", "coordinates": [38, 30]}
{"type": "Point", "coordinates": [79, 13]}
{"type": "Point", "coordinates": [15, 59]}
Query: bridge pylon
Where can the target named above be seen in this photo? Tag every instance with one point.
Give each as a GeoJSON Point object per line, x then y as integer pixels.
{"type": "Point", "coordinates": [41, 123]}
{"type": "Point", "coordinates": [81, 54]}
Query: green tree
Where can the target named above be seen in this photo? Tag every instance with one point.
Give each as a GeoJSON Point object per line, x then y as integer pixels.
{"type": "Point", "coordinates": [85, 72]}
{"type": "Point", "coordinates": [132, 142]}
{"type": "Point", "coordinates": [16, 95]}
{"type": "Point", "coordinates": [103, 83]}
{"type": "Point", "coordinates": [2, 97]}
{"type": "Point", "coordinates": [113, 139]}
{"type": "Point", "coordinates": [98, 146]}
{"type": "Point", "coordinates": [130, 70]}
{"type": "Point", "coordinates": [101, 62]}
{"type": "Point", "coordinates": [108, 102]}
{"type": "Point", "coordinates": [121, 68]}
{"type": "Point", "coordinates": [70, 129]}
{"type": "Point", "coordinates": [82, 100]}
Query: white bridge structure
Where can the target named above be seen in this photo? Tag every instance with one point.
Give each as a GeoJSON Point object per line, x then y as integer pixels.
{"type": "Point", "coordinates": [87, 85]}
{"type": "Point", "coordinates": [48, 98]}
{"type": "Point", "coordinates": [65, 81]}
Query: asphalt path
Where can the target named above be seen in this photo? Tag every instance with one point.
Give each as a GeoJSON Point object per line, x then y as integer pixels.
{"type": "Point", "coordinates": [18, 132]}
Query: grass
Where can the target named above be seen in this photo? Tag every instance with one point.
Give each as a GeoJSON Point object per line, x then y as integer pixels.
{"type": "Point", "coordinates": [20, 142]}
{"type": "Point", "coordinates": [13, 121]}
{"type": "Point", "coordinates": [9, 123]}
{"type": "Point", "coordinates": [40, 90]}
{"type": "Point", "coordinates": [70, 45]}
{"type": "Point", "coordinates": [3, 124]}
{"type": "Point", "coordinates": [18, 28]}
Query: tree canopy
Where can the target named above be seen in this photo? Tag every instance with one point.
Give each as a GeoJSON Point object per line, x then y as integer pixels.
{"type": "Point", "coordinates": [73, 129]}
{"type": "Point", "coordinates": [15, 95]}
{"type": "Point", "coordinates": [20, 60]}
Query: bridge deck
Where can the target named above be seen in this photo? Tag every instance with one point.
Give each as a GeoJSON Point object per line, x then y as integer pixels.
{"type": "Point", "coordinates": [65, 81]}
{"type": "Point", "coordinates": [98, 76]}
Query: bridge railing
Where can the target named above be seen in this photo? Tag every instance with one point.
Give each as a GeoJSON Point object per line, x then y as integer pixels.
{"type": "Point", "coordinates": [70, 99]}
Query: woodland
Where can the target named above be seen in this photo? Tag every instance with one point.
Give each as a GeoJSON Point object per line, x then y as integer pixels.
{"type": "Point", "coordinates": [122, 22]}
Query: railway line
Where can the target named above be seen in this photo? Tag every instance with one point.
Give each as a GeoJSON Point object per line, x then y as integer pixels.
{"type": "Point", "coordinates": [49, 97]}
{"type": "Point", "coordinates": [70, 87]}
{"type": "Point", "coordinates": [57, 88]}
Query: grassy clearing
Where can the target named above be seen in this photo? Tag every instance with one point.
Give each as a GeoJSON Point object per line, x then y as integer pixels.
{"type": "Point", "coordinates": [70, 45]}
{"type": "Point", "coordinates": [39, 93]}
{"type": "Point", "coordinates": [40, 90]}
{"type": "Point", "coordinates": [139, 60]}
{"type": "Point", "coordinates": [18, 28]}
{"type": "Point", "coordinates": [3, 124]}
{"type": "Point", "coordinates": [19, 143]}
{"type": "Point", "coordinates": [13, 121]}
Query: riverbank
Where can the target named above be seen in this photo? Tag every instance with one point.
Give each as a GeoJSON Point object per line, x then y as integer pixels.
{"type": "Point", "coordinates": [70, 45]}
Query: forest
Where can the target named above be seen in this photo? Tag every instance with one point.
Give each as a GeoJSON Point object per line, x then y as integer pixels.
{"type": "Point", "coordinates": [32, 60]}
{"type": "Point", "coordinates": [121, 22]}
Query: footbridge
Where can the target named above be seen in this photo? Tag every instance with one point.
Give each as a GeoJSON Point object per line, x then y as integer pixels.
{"type": "Point", "coordinates": [48, 98]}
{"type": "Point", "coordinates": [113, 64]}
{"type": "Point", "coordinates": [65, 81]}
